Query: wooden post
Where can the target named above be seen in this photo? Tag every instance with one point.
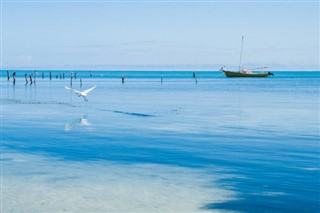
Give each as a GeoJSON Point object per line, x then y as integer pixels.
{"type": "Point", "coordinates": [14, 78]}
{"type": "Point", "coordinates": [71, 79]}
{"type": "Point", "coordinates": [122, 78]}
{"type": "Point", "coordinates": [35, 76]}
{"type": "Point", "coordinates": [30, 76]}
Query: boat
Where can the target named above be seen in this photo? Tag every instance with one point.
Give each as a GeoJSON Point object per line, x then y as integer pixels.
{"type": "Point", "coordinates": [246, 72]}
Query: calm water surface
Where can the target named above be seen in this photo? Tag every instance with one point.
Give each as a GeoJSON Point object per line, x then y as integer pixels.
{"type": "Point", "coordinates": [221, 145]}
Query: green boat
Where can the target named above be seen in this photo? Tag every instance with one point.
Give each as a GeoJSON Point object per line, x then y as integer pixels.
{"type": "Point", "coordinates": [246, 72]}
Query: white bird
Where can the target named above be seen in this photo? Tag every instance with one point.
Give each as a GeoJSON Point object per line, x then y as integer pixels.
{"type": "Point", "coordinates": [83, 93]}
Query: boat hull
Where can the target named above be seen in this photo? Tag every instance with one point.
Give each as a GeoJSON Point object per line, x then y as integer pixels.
{"type": "Point", "coordinates": [239, 74]}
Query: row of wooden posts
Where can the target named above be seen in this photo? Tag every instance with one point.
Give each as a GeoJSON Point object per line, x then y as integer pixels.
{"type": "Point", "coordinates": [32, 77]}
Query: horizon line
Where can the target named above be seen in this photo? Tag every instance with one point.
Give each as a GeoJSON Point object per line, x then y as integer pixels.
{"type": "Point", "coordinates": [99, 70]}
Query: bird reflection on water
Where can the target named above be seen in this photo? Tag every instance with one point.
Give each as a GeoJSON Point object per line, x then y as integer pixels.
{"type": "Point", "coordinates": [83, 121]}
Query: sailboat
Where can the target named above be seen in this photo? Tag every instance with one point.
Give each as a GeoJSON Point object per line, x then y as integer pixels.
{"type": "Point", "coordinates": [246, 72]}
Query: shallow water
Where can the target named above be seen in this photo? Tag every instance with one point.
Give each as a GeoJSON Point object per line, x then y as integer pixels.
{"type": "Point", "coordinates": [223, 144]}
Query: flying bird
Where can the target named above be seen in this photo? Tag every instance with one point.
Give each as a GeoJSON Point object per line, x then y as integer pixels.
{"type": "Point", "coordinates": [83, 93]}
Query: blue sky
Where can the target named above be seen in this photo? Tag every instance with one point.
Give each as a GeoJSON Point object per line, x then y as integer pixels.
{"type": "Point", "coordinates": [159, 35]}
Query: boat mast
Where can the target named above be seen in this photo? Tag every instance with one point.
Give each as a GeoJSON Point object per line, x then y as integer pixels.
{"type": "Point", "coordinates": [241, 55]}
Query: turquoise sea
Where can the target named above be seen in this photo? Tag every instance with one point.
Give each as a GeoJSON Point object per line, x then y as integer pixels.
{"type": "Point", "coordinates": [213, 145]}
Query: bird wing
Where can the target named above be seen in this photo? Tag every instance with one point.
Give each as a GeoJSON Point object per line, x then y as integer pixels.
{"type": "Point", "coordinates": [88, 90]}
{"type": "Point", "coordinates": [67, 88]}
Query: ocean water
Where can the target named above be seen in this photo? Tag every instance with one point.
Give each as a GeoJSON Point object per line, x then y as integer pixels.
{"type": "Point", "coordinates": [216, 145]}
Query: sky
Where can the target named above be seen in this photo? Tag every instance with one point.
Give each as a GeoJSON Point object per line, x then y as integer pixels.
{"type": "Point", "coordinates": [155, 35]}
